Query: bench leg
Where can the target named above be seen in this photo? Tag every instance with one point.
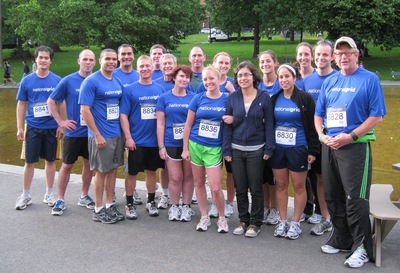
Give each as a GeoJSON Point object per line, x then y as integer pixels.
{"type": "Point", "coordinates": [378, 241]}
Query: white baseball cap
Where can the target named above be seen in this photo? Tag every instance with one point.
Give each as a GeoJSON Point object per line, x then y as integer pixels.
{"type": "Point", "coordinates": [346, 40]}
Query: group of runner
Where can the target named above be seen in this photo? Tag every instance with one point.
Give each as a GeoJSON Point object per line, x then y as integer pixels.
{"type": "Point", "coordinates": [312, 125]}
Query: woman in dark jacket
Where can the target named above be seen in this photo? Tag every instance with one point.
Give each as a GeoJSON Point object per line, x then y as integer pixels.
{"type": "Point", "coordinates": [296, 148]}
{"type": "Point", "coordinates": [248, 140]}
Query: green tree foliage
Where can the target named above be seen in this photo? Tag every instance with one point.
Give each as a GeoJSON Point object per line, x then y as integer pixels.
{"type": "Point", "coordinates": [105, 22]}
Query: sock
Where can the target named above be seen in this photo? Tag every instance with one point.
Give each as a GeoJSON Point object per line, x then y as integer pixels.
{"type": "Point", "coordinates": [97, 209]}
{"type": "Point", "coordinates": [151, 197]}
{"type": "Point", "coordinates": [108, 205]}
{"type": "Point", "coordinates": [83, 196]}
{"type": "Point", "coordinates": [49, 191]}
{"type": "Point", "coordinates": [186, 205]}
{"type": "Point", "coordinates": [165, 192]}
{"type": "Point", "coordinates": [129, 200]}
{"type": "Point", "coordinates": [26, 193]}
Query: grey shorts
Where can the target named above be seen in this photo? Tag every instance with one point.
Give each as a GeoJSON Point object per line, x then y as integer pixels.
{"type": "Point", "coordinates": [108, 158]}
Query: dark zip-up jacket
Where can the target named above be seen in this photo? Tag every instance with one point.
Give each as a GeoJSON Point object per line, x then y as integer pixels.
{"type": "Point", "coordinates": [306, 104]}
{"type": "Point", "coordinates": [254, 128]}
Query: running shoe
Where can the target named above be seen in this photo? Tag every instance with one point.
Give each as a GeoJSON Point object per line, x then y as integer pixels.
{"type": "Point", "coordinates": [315, 218]}
{"type": "Point", "coordinates": [241, 229]}
{"type": "Point", "coordinates": [194, 199]}
{"type": "Point", "coordinates": [304, 217]}
{"type": "Point", "coordinates": [332, 250]}
{"type": "Point", "coordinates": [50, 200]}
{"type": "Point", "coordinates": [266, 213]}
{"type": "Point", "coordinates": [203, 224]}
{"type": "Point", "coordinates": [58, 208]}
{"type": "Point", "coordinates": [130, 212]}
{"type": "Point", "coordinates": [213, 213]}
{"type": "Point", "coordinates": [186, 213]}
{"type": "Point", "coordinates": [223, 225]}
{"type": "Point", "coordinates": [321, 227]}
{"type": "Point", "coordinates": [228, 209]}
{"type": "Point", "coordinates": [252, 231]}
{"type": "Point", "coordinates": [137, 200]}
{"type": "Point", "coordinates": [22, 202]}
{"type": "Point", "coordinates": [281, 229]}
{"type": "Point", "coordinates": [273, 217]}
{"type": "Point", "coordinates": [358, 258]}
{"type": "Point", "coordinates": [103, 217]}
{"type": "Point", "coordinates": [86, 201]}
{"type": "Point", "coordinates": [113, 212]}
{"type": "Point", "coordinates": [174, 213]}
{"type": "Point", "coordinates": [152, 208]}
{"type": "Point", "coordinates": [164, 202]}
{"type": "Point", "coordinates": [294, 231]}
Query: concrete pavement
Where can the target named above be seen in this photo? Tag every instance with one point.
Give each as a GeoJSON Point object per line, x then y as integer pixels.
{"type": "Point", "coordinates": [33, 240]}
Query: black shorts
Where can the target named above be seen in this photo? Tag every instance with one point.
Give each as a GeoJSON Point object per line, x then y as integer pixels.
{"type": "Point", "coordinates": [294, 159]}
{"type": "Point", "coordinates": [268, 176]}
{"type": "Point", "coordinates": [40, 143]}
{"type": "Point", "coordinates": [144, 158]}
{"type": "Point", "coordinates": [75, 147]}
{"type": "Point", "coordinates": [174, 153]}
{"type": "Point", "coordinates": [228, 166]}
{"type": "Point", "coordinates": [7, 75]}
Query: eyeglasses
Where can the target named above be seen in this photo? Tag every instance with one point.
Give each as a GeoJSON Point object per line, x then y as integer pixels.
{"type": "Point", "coordinates": [244, 75]}
{"type": "Point", "coordinates": [347, 54]}
{"type": "Point", "coordinates": [323, 41]}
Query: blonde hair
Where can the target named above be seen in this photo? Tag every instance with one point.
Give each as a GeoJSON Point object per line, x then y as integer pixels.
{"type": "Point", "coordinates": [212, 68]}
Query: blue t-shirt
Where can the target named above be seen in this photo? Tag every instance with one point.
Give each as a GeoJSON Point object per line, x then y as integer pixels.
{"type": "Point", "coordinates": [36, 91]}
{"type": "Point", "coordinates": [349, 100]}
{"type": "Point", "coordinates": [288, 115]}
{"type": "Point", "coordinates": [201, 88]}
{"type": "Point", "coordinates": [126, 78]}
{"type": "Point", "coordinates": [168, 85]}
{"type": "Point", "coordinates": [68, 89]}
{"type": "Point", "coordinates": [175, 109]}
{"type": "Point", "coordinates": [103, 96]}
{"type": "Point", "coordinates": [139, 104]}
{"type": "Point", "coordinates": [156, 74]}
{"type": "Point", "coordinates": [299, 83]}
{"type": "Point", "coordinates": [271, 89]}
{"type": "Point", "coordinates": [313, 82]}
{"type": "Point", "coordinates": [207, 126]}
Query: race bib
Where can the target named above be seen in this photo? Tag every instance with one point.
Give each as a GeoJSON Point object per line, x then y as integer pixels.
{"type": "Point", "coordinates": [336, 117]}
{"type": "Point", "coordinates": [178, 130]}
{"type": "Point", "coordinates": [82, 121]}
{"type": "Point", "coordinates": [209, 129]}
{"type": "Point", "coordinates": [285, 135]}
{"type": "Point", "coordinates": [112, 111]}
{"type": "Point", "coordinates": [40, 109]}
{"type": "Point", "coordinates": [148, 111]}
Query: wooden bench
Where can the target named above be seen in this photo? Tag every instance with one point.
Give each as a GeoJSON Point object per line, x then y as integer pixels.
{"type": "Point", "coordinates": [385, 214]}
{"type": "Point", "coordinates": [395, 74]}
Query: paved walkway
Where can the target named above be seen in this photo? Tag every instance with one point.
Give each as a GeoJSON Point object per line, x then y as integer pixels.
{"type": "Point", "coordinates": [35, 241]}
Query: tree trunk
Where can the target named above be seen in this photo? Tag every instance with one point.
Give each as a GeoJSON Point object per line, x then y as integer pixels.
{"type": "Point", "coordinates": [20, 53]}
{"type": "Point", "coordinates": [256, 39]}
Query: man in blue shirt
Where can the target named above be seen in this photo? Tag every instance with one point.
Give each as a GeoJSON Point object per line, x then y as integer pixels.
{"type": "Point", "coordinates": [156, 51]}
{"type": "Point", "coordinates": [42, 131]}
{"type": "Point", "coordinates": [125, 72]}
{"type": "Point", "coordinates": [76, 134]}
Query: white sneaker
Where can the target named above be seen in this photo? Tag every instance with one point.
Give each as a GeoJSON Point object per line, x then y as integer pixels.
{"type": "Point", "coordinates": [137, 200]}
{"type": "Point", "coordinates": [223, 225]}
{"type": "Point", "coordinates": [22, 202]}
{"type": "Point", "coordinates": [241, 229]}
{"type": "Point", "coordinates": [332, 250]}
{"type": "Point", "coordinates": [164, 202]}
{"type": "Point", "coordinates": [130, 212]}
{"type": "Point", "coordinates": [281, 229]}
{"type": "Point", "coordinates": [266, 213]}
{"type": "Point", "coordinates": [294, 231]}
{"type": "Point", "coordinates": [315, 219]}
{"type": "Point", "coordinates": [50, 200]}
{"type": "Point", "coordinates": [152, 208]}
{"type": "Point", "coordinates": [273, 217]}
{"type": "Point", "coordinates": [186, 213]}
{"type": "Point", "coordinates": [228, 209]}
{"type": "Point", "coordinates": [194, 199]}
{"type": "Point", "coordinates": [213, 213]}
{"type": "Point", "coordinates": [174, 213]}
{"type": "Point", "coordinates": [203, 224]}
{"type": "Point", "coordinates": [358, 258]}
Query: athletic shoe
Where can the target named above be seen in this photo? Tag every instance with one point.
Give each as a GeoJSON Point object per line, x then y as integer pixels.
{"type": "Point", "coordinates": [332, 250]}
{"type": "Point", "coordinates": [152, 208]}
{"type": "Point", "coordinates": [137, 200]}
{"type": "Point", "coordinates": [321, 227]}
{"type": "Point", "coordinates": [241, 229]}
{"type": "Point", "coordinates": [358, 258]}
{"type": "Point", "coordinates": [294, 231]}
{"type": "Point", "coordinates": [252, 231]}
{"type": "Point", "coordinates": [174, 213]}
{"type": "Point", "coordinates": [273, 217]}
{"type": "Point", "coordinates": [103, 217]}
{"type": "Point", "coordinates": [58, 208]}
{"type": "Point", "coordinates": [114, 199]}
{"type": "Point", "coordinates": [223, 225]}
{"type": "Point", "coordinates": [49, 200]}
{"type": "Point", "coordinates": [114, 213]}
{"type": "Point", "coordinates": [130, 212]}
{"type": "Point", "coordinates": [266, 213]}
{"type": "Point", "coordinates": [203, 224]}
{"type": "Point", "coordinates": [86, 201]}
{"type": "Point", "coordinates": [186, 213]}
{"type": "Point", "coordinates": [281, 229]}
{"type": "Point", "coordinates": [22, 202]}
{"type": "Point", "coordinates": [213, 213]}
{"type": "Point", "coordinates": [304, 217]}
{"type": "Point", "coordinates": [315, 218]}
{"type": "Point", "coordinates": [194, 199]}
{"type": "Point", "coordinates": [164, 202]}
{"type": "Point", "coordinates": [228, 209]}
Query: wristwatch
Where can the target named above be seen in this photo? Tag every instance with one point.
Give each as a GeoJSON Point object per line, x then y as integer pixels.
{"type": "Point", "coordinates": [353, 135]}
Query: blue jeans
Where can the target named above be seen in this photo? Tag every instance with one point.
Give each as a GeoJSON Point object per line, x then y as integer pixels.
{"type": "Point", "coordinates": [247, 169]}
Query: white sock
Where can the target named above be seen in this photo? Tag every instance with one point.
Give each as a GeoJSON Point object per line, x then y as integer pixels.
{"type": "Point", "coordinates": [26, 193]}
{"type": "Point", "coordinates": [97, 209]}
{"type": "Point", "coordinates": [165, 192]}
{"type": "Point", "coordinates": [49, 191]}
{"type": "Point", "coordinates": [108, 205]}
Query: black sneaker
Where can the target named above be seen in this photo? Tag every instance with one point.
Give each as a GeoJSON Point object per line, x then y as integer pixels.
{"type": "Point", "coordinates": [102, 217]}
{"type": "Point", "coordinates": [113, 213]}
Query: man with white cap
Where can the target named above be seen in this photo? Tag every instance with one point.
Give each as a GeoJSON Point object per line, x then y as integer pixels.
{"type": "Point", "coordinates": [350, 105]}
